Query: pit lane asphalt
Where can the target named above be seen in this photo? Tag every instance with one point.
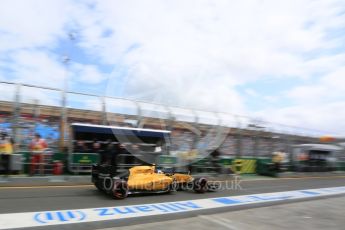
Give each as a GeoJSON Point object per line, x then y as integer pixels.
{"type": "Point", "coordinates": [61, 198]}
{"type": "Point", "coordinates": [57, 198]}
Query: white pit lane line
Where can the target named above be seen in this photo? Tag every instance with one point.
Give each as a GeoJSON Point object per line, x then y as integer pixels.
{"type": "Point", "coordinates": [46, 218]}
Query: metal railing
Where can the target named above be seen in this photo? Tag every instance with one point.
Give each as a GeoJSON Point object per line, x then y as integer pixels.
{"type": "Point", "coordinates": [246, 135]}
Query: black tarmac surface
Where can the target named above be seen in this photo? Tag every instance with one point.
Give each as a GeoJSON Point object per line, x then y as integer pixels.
{"type": "Point", "coordinates": [26, 199]}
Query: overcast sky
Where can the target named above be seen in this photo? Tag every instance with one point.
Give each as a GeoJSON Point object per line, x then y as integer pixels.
{"type": "Point", "coordinates": [282, 61]}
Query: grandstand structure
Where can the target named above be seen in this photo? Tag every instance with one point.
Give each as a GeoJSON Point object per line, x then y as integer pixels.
{"type": "Point", "coordinates": [23, 113]}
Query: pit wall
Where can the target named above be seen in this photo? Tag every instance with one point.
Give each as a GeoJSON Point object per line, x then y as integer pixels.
{"type": "Point", "coordinates": [240, 165]}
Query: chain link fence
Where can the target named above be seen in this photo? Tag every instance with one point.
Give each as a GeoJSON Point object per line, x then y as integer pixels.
{"type": "Point", "coordinates": [28, 109]}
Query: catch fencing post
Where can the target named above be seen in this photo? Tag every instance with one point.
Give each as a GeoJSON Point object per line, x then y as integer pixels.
{"type": "Point", "coordinates": [16, 114]}
{"type": "Point", "coordinates": [104, 111]}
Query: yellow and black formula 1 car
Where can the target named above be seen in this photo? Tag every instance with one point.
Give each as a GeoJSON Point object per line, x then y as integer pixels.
{"type": "Point", "coordinates": [144, 179]}
{"type": "Point", "coordinates": [188, 182]}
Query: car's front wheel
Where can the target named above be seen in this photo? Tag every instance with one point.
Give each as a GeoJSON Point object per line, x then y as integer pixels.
{"type": "Point", "coordinates": [200, 185]}
{"type": "Point", "coordinates": [120, 189]}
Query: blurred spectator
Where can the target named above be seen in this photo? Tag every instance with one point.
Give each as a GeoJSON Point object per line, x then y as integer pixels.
{"type": "Point", "coordinates": [96, 147]}
{"type": "Point", "coordinates": [125, 155]}
{"type": "Point", "coordinates": [135, 148]}
{"type": "Point", "coordinates": [38, 143]}
{"type": "Point", "coordinates": [277, 159]}
{"type": "Point", "coordinates": [111, 157]}
{"type": "Point", "coordinates": [37, 147]}
{"type": "Point", "coordinates": [6, 149]}
{"type": "Point", "coordinates": [215, 154]}
{"type": "Point", "coordinates": [303, 157]}
{"type": "Point", "coordinates": [80, 147]}
{"type": "Point", "coordinates": [121, 149]}
{"type": "Point", "coordinates": [107, 153]}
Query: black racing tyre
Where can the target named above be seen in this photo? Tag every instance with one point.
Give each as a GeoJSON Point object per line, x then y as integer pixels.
{"type": "Point", "coordinates": [212, 187]}
{"type": "Point", "coordinates": [98, 185]}
{"type": "Point", "coordinates": [120, 189]}
{"type": "Point", "coordinates": [200, 185]}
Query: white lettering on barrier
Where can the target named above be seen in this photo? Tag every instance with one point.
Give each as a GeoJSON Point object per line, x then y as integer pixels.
{"type": "Point", "coordinates": [32, 219]}
{"type": "Point", "coordinates": [163, 208]}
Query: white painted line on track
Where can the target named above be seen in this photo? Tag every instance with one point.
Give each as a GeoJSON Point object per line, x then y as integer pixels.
{"type": "Point", "coordinates": [46, 218]}
{"type": "Point", "coordinates": [47, 186]}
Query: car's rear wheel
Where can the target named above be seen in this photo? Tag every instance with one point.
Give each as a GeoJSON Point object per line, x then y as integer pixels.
{"type": "Point", "coordinates": [200, 185]}
{"type": "Point", "coordinates": [98, 185]}
{"type": "Point", "coordinates": [120, 189]}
